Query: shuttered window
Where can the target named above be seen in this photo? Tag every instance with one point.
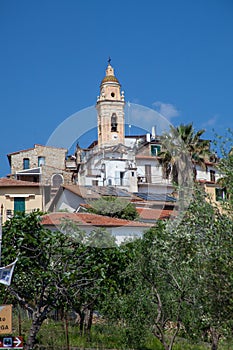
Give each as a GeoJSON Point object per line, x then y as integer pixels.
{"type": "Point", "coordinates": [19, 204]}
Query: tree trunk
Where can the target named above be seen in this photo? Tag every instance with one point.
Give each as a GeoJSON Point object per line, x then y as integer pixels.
{"type": "Point", "coordinates": [215, 336]}
{"type": "Point", "coordinates": [81, 321]}
{"type": "Point", "coordinates": [35, 327]}
{"type": "Point", "coordinates": [89, 324]}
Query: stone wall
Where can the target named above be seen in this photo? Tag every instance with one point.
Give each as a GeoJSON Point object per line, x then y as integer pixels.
{"type": "Point", "coordinates": [54, 157]}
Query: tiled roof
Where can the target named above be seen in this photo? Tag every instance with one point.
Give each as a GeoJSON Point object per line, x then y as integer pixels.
{"type": "Point", "coordinates": [90, 219]}
{"type": "Point", "coordinates": [5, 182]}
{"type": "Point", "coordinates": [76, 189]}
{"type": "Point", "coordinates": [155, 214]}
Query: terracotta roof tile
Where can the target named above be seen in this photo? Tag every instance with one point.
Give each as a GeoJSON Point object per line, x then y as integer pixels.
{"type": "Point", "coordinates": [155, 214]}
{"type": "Point", "coordinates": [5, 182]}
{"type": "Point", "coordinates": [90, 219]}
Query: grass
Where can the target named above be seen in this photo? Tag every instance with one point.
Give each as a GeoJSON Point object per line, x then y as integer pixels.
{"type": "Point", "coordinates": [103, 336]}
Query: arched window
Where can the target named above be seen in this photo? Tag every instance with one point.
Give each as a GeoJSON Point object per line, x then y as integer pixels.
{"type": "Point", "coordinates": [114, 122]}
{"type": "Point", "coordinates": [57, 180]}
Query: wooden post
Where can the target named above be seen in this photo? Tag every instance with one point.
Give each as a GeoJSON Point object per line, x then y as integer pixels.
{"type": "Point", "coordinates": [67, 332]}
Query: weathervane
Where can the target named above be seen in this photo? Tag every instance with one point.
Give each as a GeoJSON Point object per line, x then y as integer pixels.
{"type": "Point", "coordinates": [109, 60]}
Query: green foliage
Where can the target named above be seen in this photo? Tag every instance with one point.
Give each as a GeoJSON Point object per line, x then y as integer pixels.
{"type": "Point", "coordinates": [180, 280]}
{"type": "Point", "coordinates": [98, 237]}
{"type": "Point", "coordinates": [224, 146]}
{"type": "Point", "coordinates": [54, 270]}
{"type": "Point", "coordinates": [183, 148]}
{"type": "Point", "coordinates": [114, 207]}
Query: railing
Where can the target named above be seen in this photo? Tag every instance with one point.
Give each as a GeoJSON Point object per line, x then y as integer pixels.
{"type": "Point", "coordinates": [153, 179]}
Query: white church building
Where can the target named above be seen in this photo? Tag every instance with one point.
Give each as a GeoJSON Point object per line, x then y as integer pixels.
{"type": "Point", "coordinates": [130, 163]}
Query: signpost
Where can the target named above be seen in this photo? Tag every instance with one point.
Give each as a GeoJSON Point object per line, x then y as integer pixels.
{"type": "Point", "coordinates": [7, 342]}
{"type": "Point", "coordinates": [5, 319]}
{"type": "Point", "coordinates": [11, 343]}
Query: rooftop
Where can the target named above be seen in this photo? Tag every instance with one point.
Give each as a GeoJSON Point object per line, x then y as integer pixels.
{"type": "Point", "coordinates": [89, 219]}
{"type": "Point", "coordinates": [5, 182]}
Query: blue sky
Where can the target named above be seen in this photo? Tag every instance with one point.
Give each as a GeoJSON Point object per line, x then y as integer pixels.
{"type": "Point", "coordinates": [172, 56]}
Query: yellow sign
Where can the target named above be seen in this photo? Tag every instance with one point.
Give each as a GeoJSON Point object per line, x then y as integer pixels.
{"type": "Point", "coordinates": [5, 319]}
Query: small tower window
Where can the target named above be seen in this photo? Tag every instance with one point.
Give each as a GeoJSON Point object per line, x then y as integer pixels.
{"type": "Point", "coordinates": [26, 163]}
{"type": "Point", "coordinates": [212, 175]}
{"type": "Point", "coordinates": [114, 122]}
{"type": "Point", "coordinates": [112, 94]}
{"type": "Point", "coordinates": [41, 161]}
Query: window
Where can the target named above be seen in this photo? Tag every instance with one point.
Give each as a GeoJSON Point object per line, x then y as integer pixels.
{"type": "Point", "coordinates": [220, 194]}
{"type": "Point", "coordinates": [9, 213]}
{"type": "Point", "coordinates": [94, 182]}
{"type": "Point", "coordinates": [212, 175]}
{"type": "Point", "coordinates": [155, 149]}
{"type": "Point", "coordinates": [114, 122]}
{"type": "Point", "coordinates": [41, 161]}
{"type": "Point", "coordinates": [148, 173]}
{"type": "Point", "coordinates": [26, 163]}
{"type": "Point", "coordinates": [122, 173]}
{"type": "Point", "coordinates": [19, 204]}
{"type": "Point", "coordinates": [57, 180]}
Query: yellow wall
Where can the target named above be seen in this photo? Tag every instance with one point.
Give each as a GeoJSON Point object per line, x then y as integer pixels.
{"type": "Point", "coordinates": [33, 199]}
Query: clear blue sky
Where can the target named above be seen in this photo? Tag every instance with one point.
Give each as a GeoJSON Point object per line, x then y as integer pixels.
{"type": "Point", "coordinates": [175, 56]}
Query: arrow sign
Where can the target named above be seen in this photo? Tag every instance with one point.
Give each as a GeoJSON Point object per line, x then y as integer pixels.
{"type": "Point", "coordinates": [17, 342]}
{"type": "Point", "coordinates": [11, 342]}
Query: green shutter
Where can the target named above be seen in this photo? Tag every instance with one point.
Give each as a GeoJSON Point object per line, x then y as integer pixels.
{"type": "Point", "coordinates": [19, 204]}
{"type": "Point", "coordinates": [155, 149]}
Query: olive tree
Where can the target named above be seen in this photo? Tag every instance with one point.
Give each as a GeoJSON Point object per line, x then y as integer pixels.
{"type": "Point", "coordinates": [50, 264]}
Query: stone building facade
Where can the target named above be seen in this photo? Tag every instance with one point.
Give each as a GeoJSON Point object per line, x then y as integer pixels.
{"type": "Point", "coordinates": [43, 164]}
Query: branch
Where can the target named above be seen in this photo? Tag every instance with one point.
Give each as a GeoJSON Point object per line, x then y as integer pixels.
{"type": "Point", "coordinates": [20, 300]}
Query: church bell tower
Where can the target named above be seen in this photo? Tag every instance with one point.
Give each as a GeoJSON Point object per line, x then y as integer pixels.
{"type": "Point", "coordinates": [110, 108]}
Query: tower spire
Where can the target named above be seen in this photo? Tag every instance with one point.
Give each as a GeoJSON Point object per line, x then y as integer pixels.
{"type": "Point", "coordinates": [110, 109]}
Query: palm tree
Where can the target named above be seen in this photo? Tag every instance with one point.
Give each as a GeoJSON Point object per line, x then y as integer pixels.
{"type": "Point", "coordinates": [183, 150]}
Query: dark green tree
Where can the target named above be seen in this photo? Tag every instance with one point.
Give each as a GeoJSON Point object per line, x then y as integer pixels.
{"type": "Point", "coordinates": [182, 150]}
{"type": "Point", "coordinates": [114, 207]}
{"type": "Point", "coordinates": [50, 264]}
{"type": "Point", "coordinates": [224, 146]}
{"type": "Point", "coordinates": [109, 260]}
{"type": "Point", "coordinates": [181, 280]}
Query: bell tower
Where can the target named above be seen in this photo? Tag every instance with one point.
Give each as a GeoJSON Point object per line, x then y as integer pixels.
{"type": "Point", "coordinates": [110, 110]}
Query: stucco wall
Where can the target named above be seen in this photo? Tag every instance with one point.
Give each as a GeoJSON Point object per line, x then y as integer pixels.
{"type": "Point", "coordinates": [32, 195]}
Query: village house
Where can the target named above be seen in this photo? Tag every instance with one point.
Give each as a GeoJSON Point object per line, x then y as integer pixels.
{"type": "Point", "coordinates": [115, 164]}
{"type": "Point", "coordinates": [17, 195]}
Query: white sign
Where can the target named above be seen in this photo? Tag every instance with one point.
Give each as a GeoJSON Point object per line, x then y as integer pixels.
{"type": "Point", "coordinates": [6, 273]}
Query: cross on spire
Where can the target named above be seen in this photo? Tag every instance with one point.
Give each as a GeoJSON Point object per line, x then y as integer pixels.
{"type": "Point", "coordinates": [109, 60]}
